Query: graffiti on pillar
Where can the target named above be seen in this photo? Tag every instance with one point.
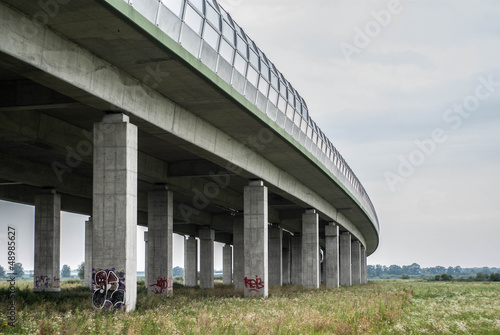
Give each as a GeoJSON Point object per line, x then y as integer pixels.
{"type": "Point", "coordinates": [254, 285]}
{"type": "Point", "coordinates": [43, 282]}
{"type": "Point", "coordinates": [55, 283]}
{"type": "Point", "coordinates": [108, 289]}
{"type": "Point", "coordinates": [162, 285]}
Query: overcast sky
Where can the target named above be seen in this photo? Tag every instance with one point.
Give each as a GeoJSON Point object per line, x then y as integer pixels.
{"type": "Point", "coordinates": [409, 92]}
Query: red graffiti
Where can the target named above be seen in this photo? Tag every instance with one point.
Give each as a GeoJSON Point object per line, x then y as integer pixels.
{"type": "Point", "coordinates": [254, 285]}
{"type": "Point", "coordinates": [161, 285]}
{"type": "Point", "coordinates": [43, 282]}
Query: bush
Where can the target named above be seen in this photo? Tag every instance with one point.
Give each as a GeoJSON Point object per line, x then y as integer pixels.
{"type": "Point", "coordinates": [405, 276]}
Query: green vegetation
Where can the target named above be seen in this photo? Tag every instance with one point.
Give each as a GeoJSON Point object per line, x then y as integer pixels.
{"type": "Point", "coordinates": [65, 271]}
{"type": "Point", "coordinates": [382, 307]}
{"type": "Point", "coordinates": [81, 270]}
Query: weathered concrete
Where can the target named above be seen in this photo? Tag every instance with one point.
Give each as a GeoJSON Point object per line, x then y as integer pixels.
{"type": "Point", "coordinates": [356, 262]}
{"type": "Point", "coordinates": [255, 239]}
{"type": "Point", "coordinates": [275, 255]}
{"type": "Point", "coordinates": [238, 253]}
{"type": "Point", "coordinates": [227, 264]}
{"type": "Point", "coordinates": [322, 265]}
{"type": "Point", "coordinates": [296, 261]}
{"type": "Point", "coordinates": [190, 262]}
{"type": "Point", "coordinates": [345, 259]}
{"type": "Point", "coordinates": [114, 215]}
{"type": "Point", "coordinates": [207, 237]}
{"type": "Point", "coordinates": [160, 230]}
{"type": "Point", "coordinates": [87, 277]}
{"type": "Point", "coordinates": [47, 242]}
{"type": "Point", "coordinates": [331, 261]}
{"type": "Point", "coordinates": [286, 258]}
{"type": "Point", "coordinates": [364, 274]}
{"type": "Point", "coordinates": [146, 259]}
{"type": "Point", "coordinates": [310, 249]}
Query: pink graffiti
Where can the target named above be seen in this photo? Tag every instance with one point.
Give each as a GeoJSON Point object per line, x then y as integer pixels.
{"type": "Point", "coordinates": [161, 285]}
{"type": "Point", "coordinates": [254, 285]}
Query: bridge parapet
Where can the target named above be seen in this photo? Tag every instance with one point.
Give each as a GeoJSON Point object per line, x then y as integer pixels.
{"type": "Point", "coordinates": [209, 33]}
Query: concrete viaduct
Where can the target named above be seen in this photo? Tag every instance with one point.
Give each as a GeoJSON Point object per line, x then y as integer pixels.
{"type": "Point", "coordinates": [166, 114]}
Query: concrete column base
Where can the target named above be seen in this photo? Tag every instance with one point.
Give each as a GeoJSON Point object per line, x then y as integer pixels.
{"type": "Point", "coordinates": [296, 261]}
{"type": "Point", "coordinates": [238, 254]}
{"type": "Point", "coordinates": [207, 237]}
{"type": "Point", "coordinates": [310, 249]}
{"type": "Point", "coordinates": [227, 265]}
{"type": "Point", "coordinates": [345, 259]}
{"type": "Point", "coordinates": [191, 262]}
{"type": "Point", "coordinates": [256, 239]}
{"type": "Point", "coordinates": [331, 261]}
{"type": "Point", "coordinates": [275, 255]}
{"type": "Point", "coordinates": [114, 215]}
{"type": "Point", "coordinates": [47, 242]}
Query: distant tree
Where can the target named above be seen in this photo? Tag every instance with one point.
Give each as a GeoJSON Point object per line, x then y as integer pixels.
{"type": "Point", "coordinates": [446, 277]}
{"type": "Point", "coordinates": [405, 276]}
{"type": "Point", "coordinates": [379, 270]}
{"type": "Point", "coordinates": [81, 270]}
{"type": "Point", "coordinates": [18, 269]}
{"type": "Point", "coordinates": [2, 272]}
{"type": "Point", "coordinates": [486, 270]}
{"type": "Point", "coordinates": [65, 271]}
{"type": "Point", "coordinates": [450, 270]}
{"type": "Point", "coordinates": [178, 272]}
{"type": "Point", "coordinates": [481, 276]}
{"type": "Point", "coordinates": [458, 270]}
{"type": "Point", "coordinates": [370, 271]}
{"type": "Point", "coordinates": [395, 270]}
{"type": "Point", "coordinates": [495, 277]}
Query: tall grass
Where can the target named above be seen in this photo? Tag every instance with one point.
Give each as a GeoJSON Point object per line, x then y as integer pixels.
{"type": "Point", "coordinates": [377, 308]}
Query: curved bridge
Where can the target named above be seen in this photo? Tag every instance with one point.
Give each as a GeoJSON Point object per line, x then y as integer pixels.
{"type": "Point", "coordinates": [166, 114]}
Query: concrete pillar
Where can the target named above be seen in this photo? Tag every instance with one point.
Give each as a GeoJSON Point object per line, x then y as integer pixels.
{"type": "Point", "coordinates": [47, 242]}
{"type": "Point", "coordinates": [160, 230]}
{"type": "Point", "coordinates": [322, 265]}
{"type": "Point", "coordinates": [238, 254]}
{"type": "Point", "coordinates": [310, 249]}
{"type": "Point", "coordinates": [356, 262]}
{"type": "Point", "coordinates": [286, 258]}
{"type": "Point", "coordinates": [255, 239]}
{"type": "Point", "coordinates": [275, 255]}
{"type": "Point", "coordinates": [87, 277]}
{"type": "Point", "coordinates": [331, 261]}
{"type": "Point", "coordinates": [191, 262]}
{"type": "Point", "coordinates": [146, 259]}
{"type": "Point", "coordinates": [114, 217]}
{"type": "Point", "coordinates": [227, 264]}
{"type": "Point", "coordinates": [207, 237]}
{"type": "Point", "coordinates": [364, 278]}
{"type": "Point", "coordinates": [296, 261]}
{"type": "Point", "coordinates": [345, 259]}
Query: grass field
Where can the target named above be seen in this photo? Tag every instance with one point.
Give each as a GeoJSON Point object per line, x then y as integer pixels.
{"type": "Point", "coordinates": [383, 307]}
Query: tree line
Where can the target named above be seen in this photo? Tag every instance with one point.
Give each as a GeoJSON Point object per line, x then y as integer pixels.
{"type": "Point", "coordinates": [416, 271]}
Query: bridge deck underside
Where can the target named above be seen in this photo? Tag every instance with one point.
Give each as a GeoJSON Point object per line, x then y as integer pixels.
{"type": "Point", "coordinates": [42, 119]}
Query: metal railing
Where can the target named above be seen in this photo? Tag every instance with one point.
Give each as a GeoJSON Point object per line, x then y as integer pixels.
{"type": "Point", "coordinates": [209, 33]}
